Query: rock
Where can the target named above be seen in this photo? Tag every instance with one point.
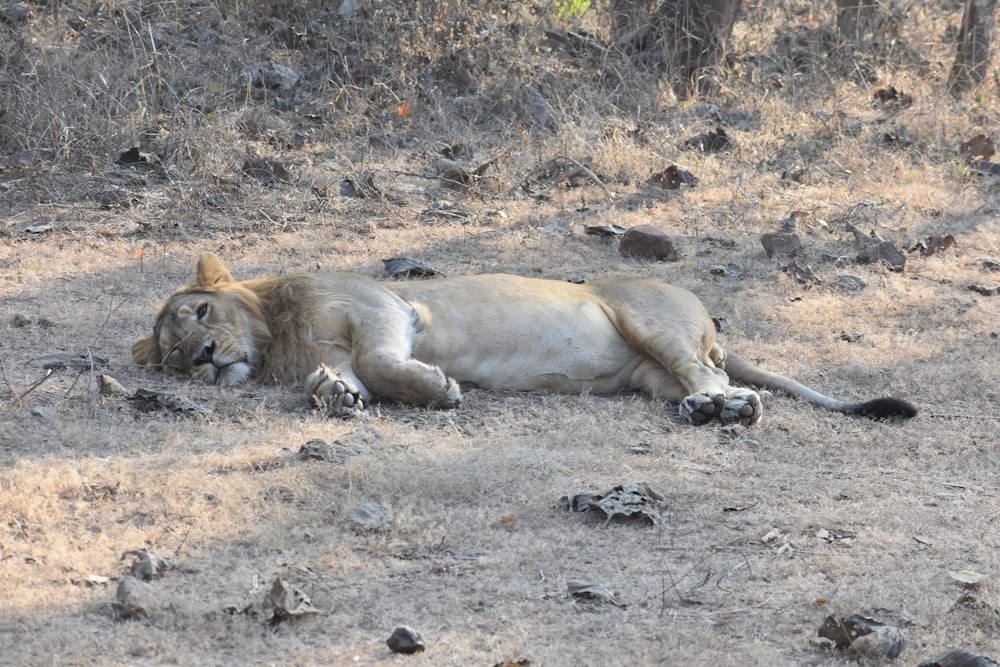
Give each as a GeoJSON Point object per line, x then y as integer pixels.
{"type": "Point", "coordinates": [135, 599]}
{"type": "Point", "coordinates": [405, 640]}
{"type": "Point", "coordinates": [372, 516]}
{"type": "Point", "coordinates": [43, 411]}
{"type": "Point", "coordinates": [884, 252]}
{"type": "Point", "coordinates": [958, 658]}
{"type": "Point", "coordinates": [849, 282]}
{"type": "Point", "coordinates": [647, 242]}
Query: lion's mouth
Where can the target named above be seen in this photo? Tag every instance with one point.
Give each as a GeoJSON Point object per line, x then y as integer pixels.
{"type": "Point", "coordinates": [223, 372]}
{"type": "Point", "coordinates": [234, 372]}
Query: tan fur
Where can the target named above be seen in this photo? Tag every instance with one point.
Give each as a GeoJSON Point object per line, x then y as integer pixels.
{"type": "Point", "coordinates": [352, 339]}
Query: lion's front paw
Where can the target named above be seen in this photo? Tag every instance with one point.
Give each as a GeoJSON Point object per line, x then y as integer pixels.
{"type": "Point", "coordinates": [742, 406]}
{"type": "Point", "coordinates": [334, 393]}
{"type": "Point", "coordinates": [702, 408]}
{"type": "Point", "coordinates": [452, 396]}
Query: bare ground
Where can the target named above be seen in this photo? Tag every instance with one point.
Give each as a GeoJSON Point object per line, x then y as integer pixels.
{"type": "Point", "coordinates": [767, 530]}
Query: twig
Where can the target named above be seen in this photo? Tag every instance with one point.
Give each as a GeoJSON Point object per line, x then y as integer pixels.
{"type": "Point", "coordinates": [48, 374]}
{"type": "Point", "coordinates": [3, 374]}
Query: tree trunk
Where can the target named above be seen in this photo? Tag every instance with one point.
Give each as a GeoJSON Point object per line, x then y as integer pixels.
{"type": "Point", "coordinates": [858, 19]}
{"type": "Point", "coordinates": [973, 54]}
{"type": "Point", "coordinates": [684, 38]}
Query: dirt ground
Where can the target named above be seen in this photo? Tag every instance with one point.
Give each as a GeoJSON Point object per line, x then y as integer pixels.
{"type": "Point", "coordinates": [765, 532]}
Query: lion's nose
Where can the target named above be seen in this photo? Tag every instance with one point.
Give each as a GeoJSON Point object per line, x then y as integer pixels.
{"type": "Point", "coordinates": [205, 356]}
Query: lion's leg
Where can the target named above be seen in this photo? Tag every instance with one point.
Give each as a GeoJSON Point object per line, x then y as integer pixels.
{"type": "Point", "coordinates": [406, 380]}
{"type": "Point", "coordinates": [685, 374]}
{"type": "Point", "coordinates": [339, 392]}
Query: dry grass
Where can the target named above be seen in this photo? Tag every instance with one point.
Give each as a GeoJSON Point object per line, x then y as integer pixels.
{"type": "Point", "coordinates": [481, 550]}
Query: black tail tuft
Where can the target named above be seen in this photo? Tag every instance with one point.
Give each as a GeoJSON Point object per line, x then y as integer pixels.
{"type": "Point", "coordinates": [882, 409]}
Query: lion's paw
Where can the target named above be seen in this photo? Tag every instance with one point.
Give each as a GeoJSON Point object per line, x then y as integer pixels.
{"type": "Point", "coordinates": [334, 393]}
{"type": "Point", "coordinates": [742, 406]}
{"type": "Point", "coordinates": [452, 396]}
{"type": "Point", "coordinates": [702, 408]}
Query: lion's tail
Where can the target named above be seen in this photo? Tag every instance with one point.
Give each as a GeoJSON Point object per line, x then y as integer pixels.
{"type": "Point", "coordinates": [742, 370]}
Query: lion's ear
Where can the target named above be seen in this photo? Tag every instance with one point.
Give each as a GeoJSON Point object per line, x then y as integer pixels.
{"type": "Point", "coordinates": [212, 272]}
{"type": "Point", "coordinates": [145, 351]}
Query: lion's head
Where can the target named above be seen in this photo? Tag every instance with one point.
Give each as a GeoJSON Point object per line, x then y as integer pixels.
{"type": "Point", "coordinates": [213, 329]}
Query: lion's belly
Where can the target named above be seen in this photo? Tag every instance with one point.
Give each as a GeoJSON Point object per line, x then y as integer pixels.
{"type": "Point", "coordinates": [520, 339]}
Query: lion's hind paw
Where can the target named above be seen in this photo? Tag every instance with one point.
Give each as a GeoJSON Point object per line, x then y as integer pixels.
{"type": "Point", "coordinates": [701, 408]}
{"type": "Point", "coordinates": [334, 393]}
{"type": "Point", "coordinates": [736, 406]}
{"type": "Point", "coordinates": [742, 406]}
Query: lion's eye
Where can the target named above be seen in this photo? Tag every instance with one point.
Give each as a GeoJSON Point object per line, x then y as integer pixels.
{"type": "Point", "coordinates": [202, 311]}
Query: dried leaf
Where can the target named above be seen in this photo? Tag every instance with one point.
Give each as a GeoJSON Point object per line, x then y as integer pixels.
{"type": "Point", "coordinates": [932, 244]}
{"type": "Point", "coordinates": [802, 274]}
{"type": "Point", "coordinates": [270, 76]}
{"type": "Point", "coordinates": [589, 590]}
{"type": "Point", "coordinates": [108, 386]}
{"type": "Point", "coordinates": [284, 601]}
{"type": "Point", "coordinates": [146, 566]}
{"type": "Point", "coordinates": [626, 501]}
{"type": "Point", "coordinates": [604, 230]}
{"type": "Point", "coordinates": [967, 577]}
{"type": "Point", "coordinates": [729, 270]}
{"type": "Point", "coordinates": [845, 632]}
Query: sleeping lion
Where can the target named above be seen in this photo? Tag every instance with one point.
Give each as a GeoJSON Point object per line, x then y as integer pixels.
{"type": "Point", "coordinates": [352, 339]}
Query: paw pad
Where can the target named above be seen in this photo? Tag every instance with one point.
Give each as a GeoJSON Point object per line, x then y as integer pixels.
{"type": "Point", "coordinates": [335, 394]}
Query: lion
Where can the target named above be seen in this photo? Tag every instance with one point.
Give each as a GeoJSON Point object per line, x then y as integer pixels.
{"type": "Point", "coordinates": [352, 340]}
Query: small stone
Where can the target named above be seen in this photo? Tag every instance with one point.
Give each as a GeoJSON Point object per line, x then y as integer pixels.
{"type": "Point", "coordinates": [849, 282]}
{"type": "Point", "coordinates": [373, 517]}
{"type": "Point", "coordinates": [647, 242]}
{"type": "Point", "coordinates": [135, 599]}
{"type": "Point", "coordinates": [43, 411]}
{"type": "Point", "coordinates": [405, 640]}
{"type": "Point", "coordinates": [884, 252]}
